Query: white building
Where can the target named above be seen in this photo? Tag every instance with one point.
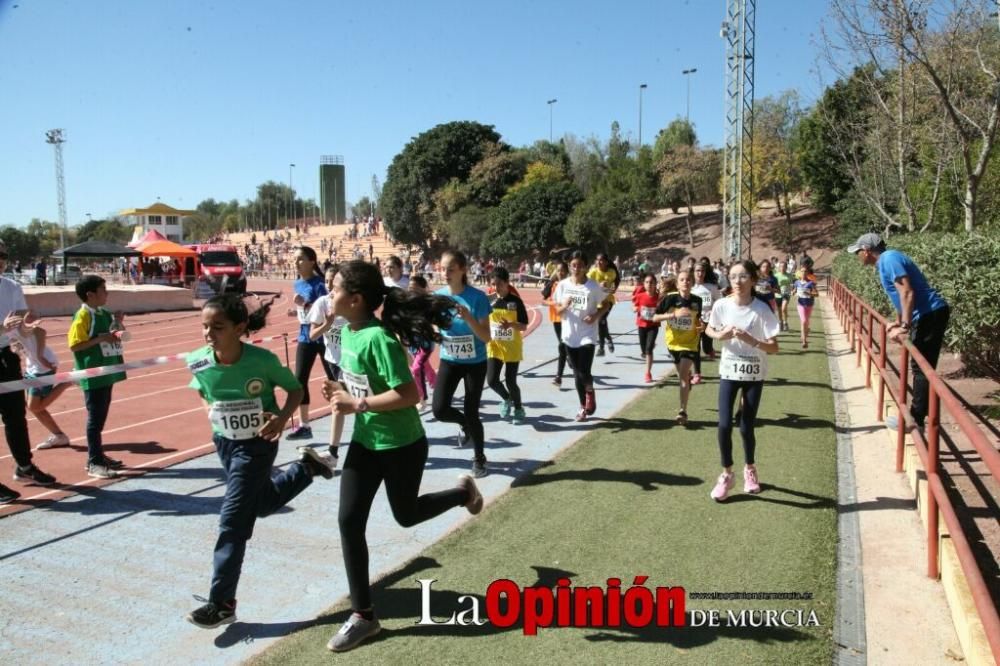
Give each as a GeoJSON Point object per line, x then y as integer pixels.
{"type": "Point", "coordinates": [160, 217]}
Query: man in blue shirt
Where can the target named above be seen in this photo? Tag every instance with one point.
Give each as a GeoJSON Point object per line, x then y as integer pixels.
{"type": "Point", "coordinates": [922, 312]}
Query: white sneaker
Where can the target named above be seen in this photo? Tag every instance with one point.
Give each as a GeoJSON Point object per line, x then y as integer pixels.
{"type": "Point", "coordinates": [355, 630]}
{"type": "Point", "coordinates": [52, 441]}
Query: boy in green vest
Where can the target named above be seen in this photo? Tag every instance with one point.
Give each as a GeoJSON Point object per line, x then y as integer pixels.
{"type": "Point", "coordinates": [94, 344]}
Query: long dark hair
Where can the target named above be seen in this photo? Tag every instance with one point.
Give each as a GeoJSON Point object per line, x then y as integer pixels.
{"type": "Point", "coordinates": [311, 256]}
{"type": "Point", "coordinates": [234, 308]}
{"type": "Point", "coordinates": [405, 314]}
{"type": "Point", "coordinates": [459, 258]}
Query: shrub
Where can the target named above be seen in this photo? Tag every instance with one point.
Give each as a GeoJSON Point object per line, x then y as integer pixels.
{"type": "Point", "coordinates": [964, 269]}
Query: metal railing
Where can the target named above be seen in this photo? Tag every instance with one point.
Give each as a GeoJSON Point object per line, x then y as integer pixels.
{"type": "Point", "coordinates": [860, 322]}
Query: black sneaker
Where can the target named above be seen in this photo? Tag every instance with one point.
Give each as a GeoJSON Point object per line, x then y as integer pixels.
{"type": "Point", "coordinates": [479, 468]}
{"type": "Point", "coordinates": [600, 351]}
{"type": "Point", "coordinates": [32, 474]}
{"type": "Point", "coordinates": [211, 616]}
{"type": "Point", "coordinates": [111, 463]}
{"type": "Point", "coordinates": [8, 495]}
{"type": "Point", "coordinates": [611, 347]}
{"type": "Point", "coordinates": [302, 432]}
{"type": "Point", "coordinates": [315, 463]}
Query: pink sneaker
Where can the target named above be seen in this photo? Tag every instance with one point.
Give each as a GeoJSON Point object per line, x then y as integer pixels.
{"type": "Point", "coordinates": [750, 483]}
{"type": "Point", "coordinates": [722, 487]}
{"type": "Point", "coordinates": [649, 378]}
{"type": "Point", "coordinates": [695, 379]}
{"type": "Point", "coordinates": [581, 415]}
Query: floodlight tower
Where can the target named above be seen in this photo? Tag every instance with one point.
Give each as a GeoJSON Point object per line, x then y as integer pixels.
{"type": "Point", "coordinates": [376, 193]}
{"type": "Point", "coordinates": [738, 31]}
{"type": "Point", "coordinates": [57, 139]}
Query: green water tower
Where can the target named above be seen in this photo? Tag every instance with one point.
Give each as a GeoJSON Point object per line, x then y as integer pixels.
{"type": "Point", "coordinates": [332, 192]}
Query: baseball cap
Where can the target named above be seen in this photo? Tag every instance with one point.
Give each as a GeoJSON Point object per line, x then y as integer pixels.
{"type": "Point", "coordinates": [866, 242]}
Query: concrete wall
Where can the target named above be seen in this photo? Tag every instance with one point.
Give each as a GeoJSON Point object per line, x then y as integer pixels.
{"type": "Point", "coordinates": [62, 301]}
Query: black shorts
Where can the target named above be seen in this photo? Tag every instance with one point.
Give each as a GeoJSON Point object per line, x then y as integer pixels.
{"type": "Point", "coordinates": [678, 354]}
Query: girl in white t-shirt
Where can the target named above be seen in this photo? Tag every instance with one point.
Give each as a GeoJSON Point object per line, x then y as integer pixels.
{"type": "Point", "coordinates": [748, 330]}
{"type": "Point", "coordinates": [39, 361]}
{"type": "Point", "coordinates": [324, 323]}
{"type": "Point", "coordinates": [579, 301]}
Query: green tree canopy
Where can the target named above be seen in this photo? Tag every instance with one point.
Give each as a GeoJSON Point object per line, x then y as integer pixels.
{"type": "Point", "coordinates": [531, 218]}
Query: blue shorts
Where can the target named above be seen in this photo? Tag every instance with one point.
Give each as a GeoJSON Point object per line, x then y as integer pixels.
{"type": "Point", "coordinates": [40, 391]}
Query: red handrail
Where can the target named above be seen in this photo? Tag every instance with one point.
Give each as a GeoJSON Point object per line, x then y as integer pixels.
{"type": "Point", "coordinates": [852, 310]}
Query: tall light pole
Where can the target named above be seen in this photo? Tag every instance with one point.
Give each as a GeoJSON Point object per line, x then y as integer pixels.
{"type": "Point", "coordinates": [56, 139]}
{"type": "Point", "coordinates": [642, 86]}
{"type": "Point", "coordinates": [687, 75]}
{"type": "Point", "coordinates": [291, 197]}
{"type": "Point", "coordinates": [550, 103]}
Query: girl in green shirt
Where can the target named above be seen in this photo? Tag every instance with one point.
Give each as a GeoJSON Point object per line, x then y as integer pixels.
{"type": "Point", "coordinates": [388, 443]}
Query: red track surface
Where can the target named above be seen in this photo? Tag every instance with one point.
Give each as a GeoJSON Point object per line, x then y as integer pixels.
{"type": "Point", "coordinates": [155, 421]}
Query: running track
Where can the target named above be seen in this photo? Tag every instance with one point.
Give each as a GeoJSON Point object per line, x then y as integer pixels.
{"type": "Point", "coordinates": [155, 421]}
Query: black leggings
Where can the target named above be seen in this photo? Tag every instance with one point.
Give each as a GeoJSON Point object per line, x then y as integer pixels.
{"type": "Point", "coordinates": [561, 363]}
{"type": "Point", "coordinates": [364, 471]}
{"type": "Point", "coordinates": [647, 339]}
{"type": "Point", "coordinates": [706, 348]}
{"type": "Point", "coordinates": [512, 392]}
{"type": "Point", "coordinates": [305, 356]}
{"type": "Point", "coordinates": [449, 375]}
{"type": "Point", "coordinates": [602, 327]}
{"type": "Point", "coordinates": [748, 418]}
{"type": "Point", "coordinates": [583, 360]}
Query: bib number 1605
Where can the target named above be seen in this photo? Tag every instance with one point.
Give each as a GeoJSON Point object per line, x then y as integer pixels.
{"type": "Point", "coordinates": [241, 421]}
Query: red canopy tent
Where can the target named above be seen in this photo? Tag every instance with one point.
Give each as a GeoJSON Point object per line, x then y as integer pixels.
{"type": "Point", "coordinates": [161, 247]}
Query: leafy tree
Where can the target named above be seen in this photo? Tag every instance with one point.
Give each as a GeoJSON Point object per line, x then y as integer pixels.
{"type": "Point", "coordinates": [690, 174]}
{"type": "Point", "coordinates": [465, 228]}
{"type": "Point", "coordinates": [21, 246]}
{"type": "Point", "coordinates": [531, 218]}
{"type": "Point", "coordinates": [493, 175]}
{"type": "Point", "coordinates": [363, 208]}
{"type": "Point", "coordinates": [775, 168]}
{"type": "Point", "coordinates": [425, 164]}
{"type": "Point", "coordinates": [680, 132]}
{"type": "Point", "coordinates": [539, 172]}
{"type": "Point", "coordinates": [606, 215]}
{"type": "Point", "coordinates": [553, 153]}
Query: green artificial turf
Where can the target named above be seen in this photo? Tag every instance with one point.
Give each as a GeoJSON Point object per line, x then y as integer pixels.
{"type": "Point", "coordinates": [631, 498]}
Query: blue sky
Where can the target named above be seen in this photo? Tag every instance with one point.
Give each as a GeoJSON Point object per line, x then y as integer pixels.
{"type": "Point", "coordinates": [185, 100]}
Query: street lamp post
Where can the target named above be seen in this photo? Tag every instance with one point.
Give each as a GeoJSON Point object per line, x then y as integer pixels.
{"type": "Point", "coordinates": [291, 197]}
{"type": "Point", "coordinates": [642, 86]}
{"type": "Point", "coordinates": [550, 103]}
{"type": "Point", "coordinates": [687, 75]}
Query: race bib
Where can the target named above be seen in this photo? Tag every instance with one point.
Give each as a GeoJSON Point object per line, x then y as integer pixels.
{"type": "Point", "coordinates": [804, 293]}
{"type": "Point", "coordinates": [303, 315]}
{"type": "Point", "coordinates": [110, 349]}
{"type": "Point", "coordinates": [747, 367]}
{"type": "Point", "coordinates": [237, 419]}
{"type": "Point", "coordinates": [763, 288]}
{"type": "Point", "coordinates": [577, 299]}
{"type": "Point", "coordinates": [685, 323]}
{"type": "Point", "coordinates": [460, 347]}
{"type": "Point", "coordinates": [357, 385]}
{"type": "Point", "coordinates": [332, 337]}
{"type": "Point", "coordinates": [501, 334]}
{"type": "Point", "coordinates": [646, 314]}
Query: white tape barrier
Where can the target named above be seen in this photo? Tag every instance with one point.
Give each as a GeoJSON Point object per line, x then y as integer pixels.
{"type": "Point", "coordinates": [88, 373]}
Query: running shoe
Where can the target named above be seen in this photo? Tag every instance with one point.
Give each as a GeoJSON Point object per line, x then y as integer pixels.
{"type": "Point", "coordinates": [354, 631]}
{"type": "Point", "coordinates": [682, 418]}
{"type": "Point", "coordinates": [475, 503]}
{"type": "Point", "coordinates": [750, 483]}
{"type": "Point", "coordinates": [98, 470]}
{"type": "Point", "coordinates": [52, 441]}
{"type": "Point", "coordinates": [315, 463]}
{"type": "Point", "coordinates": [479, 468]}
{"type": "Point", "coordinates": [600, 351]}
{"type": "Point", "coordinates": [211, 615]}
{"type": "Point", "coordinates": [611, 347]}
{"type": "Point", "coordinates": [505, 409]}
{"type": "Point", "coordinates": [519, 416]}
{"type": "Point", "coordinates": [302, 432]}
{"type": "Point", "coordinates": [649, 378]}
{"type": "Point", "coordinates": [8, 495]}
{"type": "Point", "coordinates": [581, 415]}
{"type": "Point", "coordinates": [462, 438]}
{"type": "Point", "coordinates": [32, 474]}
{"type": "Point", "coordinates": [722, 487]}
{"type": "Point", "coordinates": [695, 379]}
{"type": "Point", "coordinates": [590, 402]}
{"type": "Point", "coordinates": [557, 381]}
{"type": "Point", "coordinates": [112, 463]}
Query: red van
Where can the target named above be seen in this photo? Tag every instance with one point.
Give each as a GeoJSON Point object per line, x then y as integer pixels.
{"type": "Point", "coordinates": [219, 261]}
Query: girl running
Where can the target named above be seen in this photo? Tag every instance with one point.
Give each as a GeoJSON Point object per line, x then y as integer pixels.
{"type": "Point", "coordinates": [581, 302]}
{"type": "Point", "coordinates": [748, 330]}
{"type": "Point", "coordinates": [705, 288]}
{"type": "Point", "coordinates": [806, 293]}
{"type": "Point", "coordinates": [560, 273]}
{"type": "Point", "coordinates": [463, 356]}
{"type": "Point", "coordinates": [682, 311]}
{"type": "Point", "coordinates": [236, 381]}
{"type": "Point", "coordinates": [785, 280]}
{"type": "Point", "coordinates": [508, 320]}
{"type": "Point", "coordinates": [308, 288]}
{"type": "Point", "coordinates": [388, 443]}
{"type": "Point", "coordinates": [39, 361]}
{"type": "Point", "coordinates": [766, 285]}
{"type": "Point", "coordinates": [326, 325]}
{"type": "Point", "coordinates": [421, 368]}
{"type": "Point", "coordinates": [605, 274]}
{"type": "Point", "coordinates": [646, 301]}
